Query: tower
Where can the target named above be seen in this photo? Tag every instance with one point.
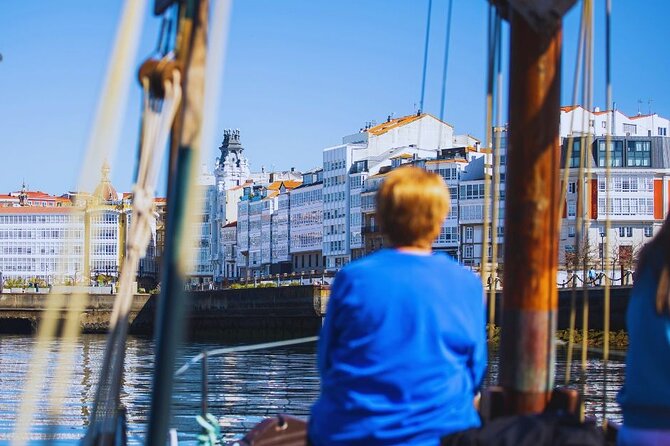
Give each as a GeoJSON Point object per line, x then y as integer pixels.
{"type": "Point", "coordinates": [231, 172]}
{"type": "Point", "coordinates": [232, 167]}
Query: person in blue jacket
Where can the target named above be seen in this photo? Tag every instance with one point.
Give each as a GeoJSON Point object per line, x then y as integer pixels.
{"type": "Point", "coordinates": [645, 396]}
{"type": "Point", "coordinates": [402, 350]}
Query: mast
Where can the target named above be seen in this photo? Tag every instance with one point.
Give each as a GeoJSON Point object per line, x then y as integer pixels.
{"type": "Point", "coordinates": [190, 53]}
{"type": "Point", "coordinates": [531, 217]}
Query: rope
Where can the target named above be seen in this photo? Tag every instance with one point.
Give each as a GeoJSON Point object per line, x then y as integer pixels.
{"type": "Point", "coordinates": [489, 129]}
{"type": "Point", "coordinates": [564, 191]}
{"type": "Point", "coordinates": [444, 72]}
{"type": "Point", "coordinates": [157, 118]}
{"type": "Point", "coordinates": [608, 223]}
{"type": "Point", "coordinates": [425, 56]}
{"type": "Point", "coordinates": [446, 62]}
{"type": "Point", "coordinates": [586, 199]}
{"type": "Point", "coordinates": [102, 142]}
{"type": "Point", "coordinates": [497, 140]}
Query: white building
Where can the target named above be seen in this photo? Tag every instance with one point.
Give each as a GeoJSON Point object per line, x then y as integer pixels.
{"type": "Point", "coordinates": [281, 257]}
{"type": "Point", "coordinates": [48, 239]}
{"type": "Point", "coordinates": [229, 251]}
{"type": "Point", "coordinates": [231, 174]}
{"type": "Point", "coordinates": [636, 200]}
{"type": "Point", "coordinates": [346, 166]}
{"type": "Point", "coordinates": [43, 243]}
{"type": "Point", "coordinates": [306, 223]}
{"type": "Point", "coordinates": [206, 240]}
{"type": "Point", "coordinates": [268, 208]}
{"type": "Point", "coordinates": [575, 120]}
{"type": "Point", "coordinates": [450, 165]}
{"type": "Point", "coordinates": [242, 235]}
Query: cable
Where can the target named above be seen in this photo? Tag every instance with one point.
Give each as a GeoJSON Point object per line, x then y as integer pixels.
{"type": "Point", "coordinates": [446, 62]}
{"type": "Point", "coordinates": [425, 56]}
{"type": "Point", "coordinates": [243, 348]}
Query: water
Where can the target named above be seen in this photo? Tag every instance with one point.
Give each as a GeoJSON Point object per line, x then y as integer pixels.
{"type": "Point", "coordinates": [244, 387]}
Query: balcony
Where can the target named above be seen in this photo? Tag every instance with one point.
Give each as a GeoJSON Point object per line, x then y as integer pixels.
{"type": "Point", "coordinates": [370, 229]}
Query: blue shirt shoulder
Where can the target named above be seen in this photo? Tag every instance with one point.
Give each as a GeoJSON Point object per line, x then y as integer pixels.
{"type": "Point", "coordinates": [402, 351]}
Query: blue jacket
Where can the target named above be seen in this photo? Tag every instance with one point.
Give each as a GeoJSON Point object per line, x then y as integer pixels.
{"type": "Point", "coordinates": [645, 396]}
{"type": "Point", "coordinates": [402, 352]}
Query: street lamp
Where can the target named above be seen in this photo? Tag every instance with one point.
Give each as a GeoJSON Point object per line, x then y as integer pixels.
{"type": "Point", "coordinates": [602, 250]}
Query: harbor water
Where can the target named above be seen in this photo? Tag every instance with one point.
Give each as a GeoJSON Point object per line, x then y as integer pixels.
{"type": "Point", "coordinates": [243, 387]}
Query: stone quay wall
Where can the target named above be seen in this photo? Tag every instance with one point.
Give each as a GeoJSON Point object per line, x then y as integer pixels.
{"type": "Point", "coordinates": [247, 314]}
{"type": "Point", "coordinates": [252, 313]}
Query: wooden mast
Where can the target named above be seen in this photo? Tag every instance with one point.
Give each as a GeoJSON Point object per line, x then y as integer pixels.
{"type": "Point", "coordinates": [190, 53]}
{"type": "Point", "coordinates": [531, 216]}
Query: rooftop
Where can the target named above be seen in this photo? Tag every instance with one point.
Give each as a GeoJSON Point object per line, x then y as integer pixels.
{"type": "Point", "coordinates": [391, 124]}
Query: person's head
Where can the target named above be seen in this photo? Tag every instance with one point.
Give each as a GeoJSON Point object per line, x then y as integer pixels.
{"type": "Point", "coordinates": [411, 206]}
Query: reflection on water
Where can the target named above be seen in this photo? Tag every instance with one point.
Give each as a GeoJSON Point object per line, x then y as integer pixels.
{"type": "Point", "coordinates": [243, 387]}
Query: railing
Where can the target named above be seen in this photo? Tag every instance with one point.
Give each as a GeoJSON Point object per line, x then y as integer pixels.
{"type": "Point", "coordinates": [311, 277]}
{"type": "Point", "coordinates": [568, 279]}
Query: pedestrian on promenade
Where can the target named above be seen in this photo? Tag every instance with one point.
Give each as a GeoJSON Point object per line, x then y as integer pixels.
{"type": "Point", "coordinates": [645, 396]}
{"type": "Point", "coordinates": [402, 351]}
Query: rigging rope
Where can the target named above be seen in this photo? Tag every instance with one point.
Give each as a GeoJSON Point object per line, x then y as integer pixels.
{"type": "Point", "coordinates": [564, 189]}
{"type": "Point", "coordinates": [425, 56]}
{"type": "Point", "coordinates": [101, 144]}
{"type": "Point", "coordinates": [444, 72]}
{"type": "Point", "coordinates": [161, 82]}
{"type": "Point", "coordinates": [242, 348]}
{"type": "Point", "coordinates": [497, 140]}
{"type": "Point", "coordinates": [493, 13]}
{"type": "Point", "coordinates": [585, 186]}
{"type": "Point", "coordinates": [446, 62]}
{"type": "Point", "coordinates": [608, 184]}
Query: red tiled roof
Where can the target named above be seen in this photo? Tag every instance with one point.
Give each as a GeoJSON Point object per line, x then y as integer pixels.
{"type": "Point", "coordinates": [288, 184]}
{"type": "Point", "coordinates": [569, 108]}
{"type": "Point", "coordinates": [39, 210]}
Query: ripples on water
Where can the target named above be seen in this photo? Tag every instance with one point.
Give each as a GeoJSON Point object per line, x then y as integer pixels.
{"type": "Point", "coordinates": [243, 387]}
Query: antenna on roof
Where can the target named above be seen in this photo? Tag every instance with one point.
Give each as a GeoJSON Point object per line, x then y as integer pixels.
{"type": "Point", "coordinates": [650, 102]}
{"type": "Point", "coordinates": [639, 104]}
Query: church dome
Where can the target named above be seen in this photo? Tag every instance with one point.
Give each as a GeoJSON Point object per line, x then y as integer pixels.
{"type": "Point", "coordinates": [105, 191]}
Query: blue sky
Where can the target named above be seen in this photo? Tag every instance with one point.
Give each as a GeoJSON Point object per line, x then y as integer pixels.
{"type": "Point", "coordinates": [299, 75]}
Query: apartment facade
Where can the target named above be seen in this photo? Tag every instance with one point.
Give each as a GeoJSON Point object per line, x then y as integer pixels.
{"type": "Point", "coordinates": [306, 223]}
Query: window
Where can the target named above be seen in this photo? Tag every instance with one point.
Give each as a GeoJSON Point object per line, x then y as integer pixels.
{"type": "Point", "coordinates": [616, 153]}
{"type": "Point", "coordinates": [638, 154]}
{"type": "Point", "coordinates": [469, 231]}
{"type": "Point", "coordinates": [648, 231]}
{"type": "Point", "coordinates": [592, 122]}
{"type": "Point", "coordinates": [662, 131]}
{"type": "Point", "coordinates": [625, 231]}
{"type": "Point", "coordinates": [468, 251]}
{"type": "Point", "coordinates": [572, 209]}
{"type": "Point", "coordinates": [576, 153]}
{"type": "Point", "coordinates": [571, 231]}
{"type": "Point", "coordinates": [604, 124]}
{"type": "Point", "coordinates": [630, 129]}
{"type": "Point", "coordinates": [572, 187]}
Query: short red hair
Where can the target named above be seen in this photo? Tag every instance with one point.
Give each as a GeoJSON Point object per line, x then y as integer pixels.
{"type": "Point", "coordinates": [411, 207]}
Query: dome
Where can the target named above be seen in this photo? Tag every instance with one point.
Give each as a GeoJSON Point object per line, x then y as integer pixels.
{"type": "Point", "coordinates": [105, 191]}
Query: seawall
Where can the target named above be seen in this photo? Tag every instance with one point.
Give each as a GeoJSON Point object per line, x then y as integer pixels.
{"type": "Point", "coordinates": [258, 313]}
{"type": "Point", "coordinates": [248, 314]}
